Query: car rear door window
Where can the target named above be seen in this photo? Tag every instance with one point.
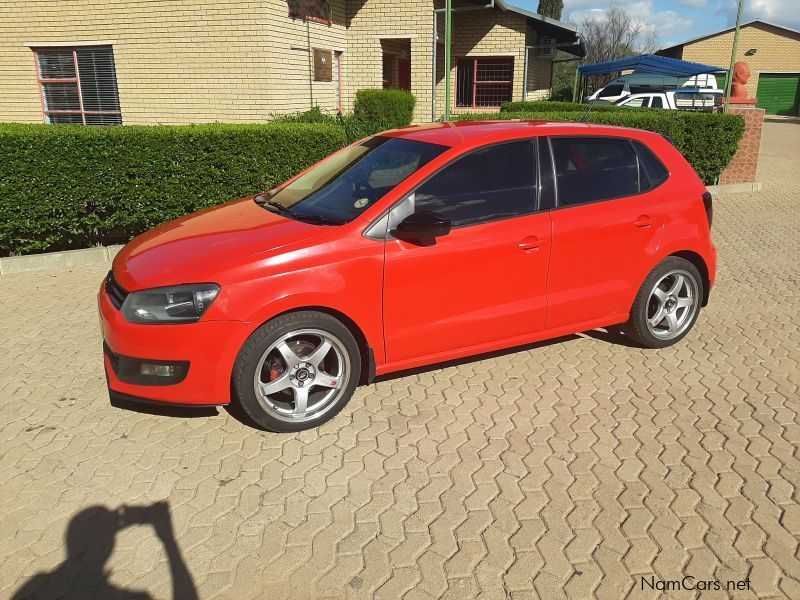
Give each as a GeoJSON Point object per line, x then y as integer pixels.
{"type": "Point", "coordinates": [655, 102]}
{"type": "Point", "coordinates": [492, 183]}
{"type": "Point", "coordinates": [591, 169]}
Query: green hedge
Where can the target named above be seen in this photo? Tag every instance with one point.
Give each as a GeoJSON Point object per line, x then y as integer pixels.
{"type": "Point", "coordinates": [379, 110]}
{"type": "Point", "coordinates": [552, 105]}
{"type": "Point", "coordinates": [707, 140]}
{"type": "Point", "coordinates": [65, 186]}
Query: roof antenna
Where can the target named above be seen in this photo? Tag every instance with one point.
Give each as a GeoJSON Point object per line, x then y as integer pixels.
{"type": "Point", "coordinates": [588, 110]}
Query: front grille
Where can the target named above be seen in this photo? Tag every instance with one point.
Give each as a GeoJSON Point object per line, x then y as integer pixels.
{"type": "Point", "coordinates": [115, 293]}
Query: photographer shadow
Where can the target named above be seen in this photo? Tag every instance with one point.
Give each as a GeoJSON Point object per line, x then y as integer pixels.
{"type": "Point", "coordinates": [90, 540]}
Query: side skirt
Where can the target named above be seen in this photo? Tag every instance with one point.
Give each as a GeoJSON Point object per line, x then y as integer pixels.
{"type": "Point", "coordinates": [538, 336]}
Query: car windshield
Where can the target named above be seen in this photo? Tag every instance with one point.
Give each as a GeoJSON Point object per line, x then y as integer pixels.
{"type": "Point", "coordinates": [339, 189]}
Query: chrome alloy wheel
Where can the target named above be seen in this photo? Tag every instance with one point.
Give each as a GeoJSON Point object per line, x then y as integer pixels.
{"type": "Point", "coordinates": [672, 304]}
{"type": "Point", "coordinates": [302, 375]}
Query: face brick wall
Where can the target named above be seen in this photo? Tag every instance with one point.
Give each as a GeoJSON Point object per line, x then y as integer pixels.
{"type": "Point", "coordinates": [194, 61]}
{"type": "Point", "coordinates": [369, 22]}
{"type": "Point", "coordinates": [539, 71]}
{"type": "Point", "coordinates": [778, 51]}
{"type": "Point", "coordinates": [176, 61]}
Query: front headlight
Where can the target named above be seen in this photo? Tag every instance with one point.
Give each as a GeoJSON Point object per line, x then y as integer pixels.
{"type": "Point", "coordinates": [174, 304]}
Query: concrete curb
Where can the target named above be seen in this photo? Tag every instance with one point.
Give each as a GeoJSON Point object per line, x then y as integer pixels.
{"type": "Point", "coordinates": [735, 188]}
{"type": "Point", "coordinates": [98, 255]}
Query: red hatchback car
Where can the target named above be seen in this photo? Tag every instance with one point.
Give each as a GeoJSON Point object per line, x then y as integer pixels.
{"type": "Point", "coordinates": [409, 248]}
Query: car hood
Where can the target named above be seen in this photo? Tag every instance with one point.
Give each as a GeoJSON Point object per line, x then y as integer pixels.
{"type": "Point", "coordinates": [194, 248]}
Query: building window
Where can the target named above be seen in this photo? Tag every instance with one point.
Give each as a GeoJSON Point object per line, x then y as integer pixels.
{"type": "Point", "coordinates": [78, 85]}
{"type": "Point", "coordinates": [318, 11]}
{"type": "Point", "coordinates": [484, 81]}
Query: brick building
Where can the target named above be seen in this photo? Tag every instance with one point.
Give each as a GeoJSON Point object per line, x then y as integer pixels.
{"type": "Point", "coordinates": [772, 52]}
{"type": "Point", "coordinates": [192, 61]}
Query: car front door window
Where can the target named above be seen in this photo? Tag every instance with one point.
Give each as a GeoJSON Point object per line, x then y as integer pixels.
{"type": "Point", "coordinates": [492, 183]}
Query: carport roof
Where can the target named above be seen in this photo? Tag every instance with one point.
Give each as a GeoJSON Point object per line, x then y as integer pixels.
{"type": "Point", "coordinates": [649, 63]}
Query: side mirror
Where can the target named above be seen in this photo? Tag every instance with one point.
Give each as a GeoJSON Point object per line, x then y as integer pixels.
{"type": "Point", "coordinates": [422, 224]}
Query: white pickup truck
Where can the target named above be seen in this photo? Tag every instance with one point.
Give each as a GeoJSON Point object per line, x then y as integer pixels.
{"type": "Point", "coordinates": [678, 99]}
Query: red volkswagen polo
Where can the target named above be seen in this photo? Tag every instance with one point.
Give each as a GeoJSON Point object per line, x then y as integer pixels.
{"type": "Point", "coordinates": [409, 248]}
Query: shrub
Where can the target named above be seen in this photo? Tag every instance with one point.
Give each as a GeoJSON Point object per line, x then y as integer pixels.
{"type": "Point", "coordinates": [707, 140]}
{"type": "Point", "coordinates": [314, 115]}
{"type": "Point", "coordinates": [378, 110]}
{"type": "Point", "coordinates": [65, 186]}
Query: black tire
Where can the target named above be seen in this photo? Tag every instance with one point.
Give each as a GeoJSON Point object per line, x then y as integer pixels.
{"type": "Point", "coordinates": [264, 409]}
{"type": "Point", "coordinates": [647, 304]}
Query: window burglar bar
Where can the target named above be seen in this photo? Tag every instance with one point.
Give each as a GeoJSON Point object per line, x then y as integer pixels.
{"type": "Point", "coordinates": [484, 81]}
{"type": "Point", "coordinates": [78, 85]}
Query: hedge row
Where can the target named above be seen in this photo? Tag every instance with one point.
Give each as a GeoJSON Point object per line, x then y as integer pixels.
{"type": "Point", "coordinates": [66, 186]}
{"type": "Point", "coordinates": [552, 105]}
{"type": "Point", "coordinates": [707, 140]}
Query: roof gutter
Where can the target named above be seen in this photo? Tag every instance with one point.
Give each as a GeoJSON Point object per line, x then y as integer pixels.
{"type": "Point", "coordinates": [503, 5]}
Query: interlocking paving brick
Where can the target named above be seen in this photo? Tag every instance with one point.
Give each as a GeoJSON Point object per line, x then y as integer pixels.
{"type": "Point", "coordinates": [567, 469]}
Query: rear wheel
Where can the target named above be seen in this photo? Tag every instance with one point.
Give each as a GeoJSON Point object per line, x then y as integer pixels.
{"type": "Point", "coordinates": [297, 371]}
{"type": "Point", "coordinates": [667, 305]}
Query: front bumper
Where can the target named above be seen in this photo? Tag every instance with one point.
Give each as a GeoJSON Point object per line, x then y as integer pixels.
{"type": "Point", "coordinates": [209, 348]}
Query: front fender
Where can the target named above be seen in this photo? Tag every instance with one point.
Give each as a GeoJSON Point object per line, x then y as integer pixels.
{"type": "Point", "coordinates": [352, 286]}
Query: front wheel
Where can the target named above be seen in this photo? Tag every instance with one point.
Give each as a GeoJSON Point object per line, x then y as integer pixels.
{"type": "Point", "coordinates": [667, 305]}
{"type": "Point", "coordinates": [297, 371]}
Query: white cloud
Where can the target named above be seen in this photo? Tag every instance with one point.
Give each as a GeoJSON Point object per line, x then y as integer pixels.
{"type": "Point", "coordinates": [780, 12]}
{"type": "Point", "coordinates": [659, 22]}
{"type": "Point", "coordinates": [668, 22]}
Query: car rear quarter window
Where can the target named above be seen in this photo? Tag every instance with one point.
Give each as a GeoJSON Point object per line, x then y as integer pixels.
{"type": "Point", "coordinates": [590, 169]}
{"type": "Point", "coordinates": [653, 170]}
{"type": "Point", "coordinates": [492, 183]}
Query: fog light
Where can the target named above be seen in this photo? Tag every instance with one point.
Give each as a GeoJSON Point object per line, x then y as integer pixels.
{"type": "Point", "coordinates": [139, 371]}
{"type": "Point", "coordinates": [150, 370]}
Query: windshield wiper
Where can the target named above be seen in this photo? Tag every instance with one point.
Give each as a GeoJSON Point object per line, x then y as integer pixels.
{"type": "Point", "coordinates": [263, 200]}
{"type": "Point", "coordinates": [320, 219]}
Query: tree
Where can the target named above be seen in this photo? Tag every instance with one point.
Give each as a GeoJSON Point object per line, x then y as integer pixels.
{"type": "Point", "coordinates": [614, 33]}
{"type": "Point", "coordinates": [610, 34]}
{"type": "Point", "coordinates": [551, 8]}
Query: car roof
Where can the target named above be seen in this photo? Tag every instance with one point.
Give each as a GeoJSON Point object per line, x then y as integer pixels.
{"type": "Point", "coordinates": [469, 133]}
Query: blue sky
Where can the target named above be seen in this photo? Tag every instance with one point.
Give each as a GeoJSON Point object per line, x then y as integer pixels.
{"type": "Point", "coordinates": [680, 20]}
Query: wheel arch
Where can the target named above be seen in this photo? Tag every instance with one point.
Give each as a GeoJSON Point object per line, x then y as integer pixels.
{"type": "Point", "coordinates": [700, 264]}
{"type": "Point", "coordinates": [368, 364]}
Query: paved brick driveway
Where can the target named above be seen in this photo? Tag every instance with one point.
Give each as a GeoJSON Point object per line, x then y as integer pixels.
{"type": "Point", "coordinates": [566, 469]}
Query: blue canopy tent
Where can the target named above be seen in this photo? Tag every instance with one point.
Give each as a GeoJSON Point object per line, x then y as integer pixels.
{"type": "Point", "coordinates": [646, 63]}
